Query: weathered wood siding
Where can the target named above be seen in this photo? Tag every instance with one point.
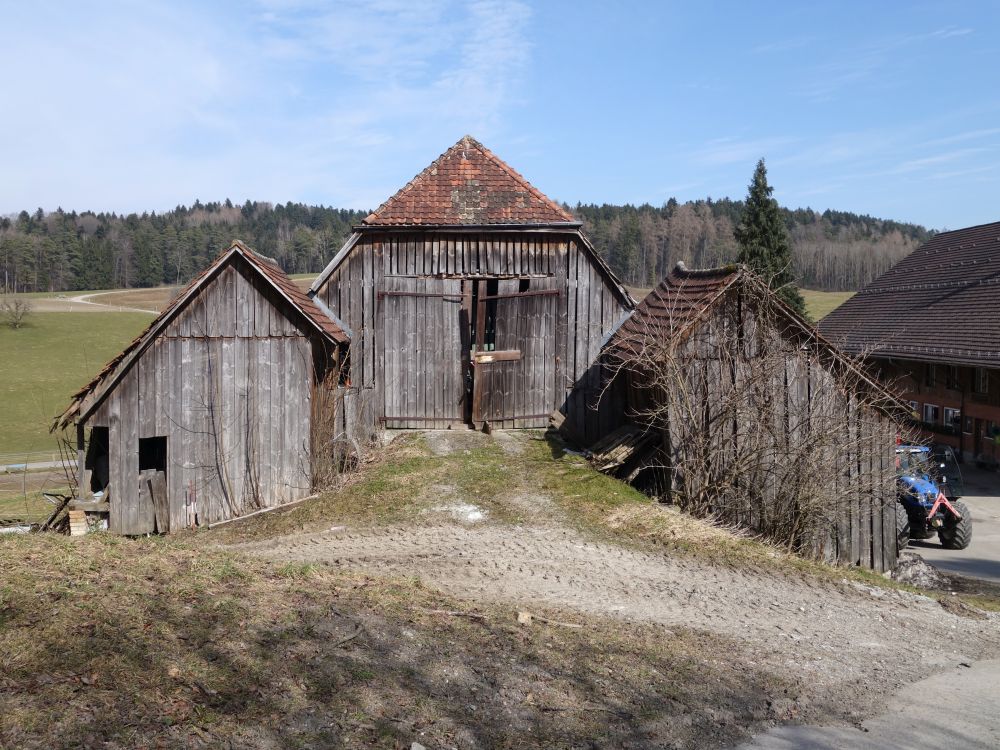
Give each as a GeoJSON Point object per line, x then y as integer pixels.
{"type": "Point", "coordinates": [858, 490]}
{"type": "Point", "coordinates": [228, 383]}
{"type": "Point", "coordinates": [401, 295]}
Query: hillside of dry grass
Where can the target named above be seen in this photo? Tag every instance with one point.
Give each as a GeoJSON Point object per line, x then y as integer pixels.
{"type": "Point", "coordinates": [379, 614]}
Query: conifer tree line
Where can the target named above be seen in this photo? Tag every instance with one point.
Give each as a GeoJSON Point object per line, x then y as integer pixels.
{"type": "Point", "coordinates": [61, 251]}
{"type": "Point", "coordinates": [831, 251]}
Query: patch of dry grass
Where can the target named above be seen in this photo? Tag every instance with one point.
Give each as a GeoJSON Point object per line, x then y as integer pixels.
{"type": "Point", "coordinates": [108, 642]}
{"type": "Point", "coordinates": [401, 483]}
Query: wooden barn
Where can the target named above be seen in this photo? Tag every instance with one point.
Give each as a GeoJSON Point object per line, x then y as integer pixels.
{"type": "Point", "coordinates": [207, 415]}
{"type": "Point", "coordinates": [472, 299]}
{"type": "Point", "coordinates": [755, 419]}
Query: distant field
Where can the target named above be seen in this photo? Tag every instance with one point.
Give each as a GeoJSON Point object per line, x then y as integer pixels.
{"type": "Point", "coordinates": [159, 297]}
{"type": "Point", "coordinates": [818, 304]}
{"type": "Point", "coordinates": [821, 304]}
{"type": "Point", "coordinates": [154, 299]}
{"type": "Point", "coordinates": [46, 361]}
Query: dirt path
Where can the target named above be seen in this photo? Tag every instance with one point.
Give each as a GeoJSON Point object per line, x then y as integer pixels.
{"type": "Point", "coordinates": [85, 299]}
{"type": "Point", "coordinates": [84, 303]}
{"type": "Point", "coordinates": [846, 642]}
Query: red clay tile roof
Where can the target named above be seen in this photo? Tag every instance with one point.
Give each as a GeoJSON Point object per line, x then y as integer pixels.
{"type": "Point", "coordinates": [468, 185]}
{"type": "Point", "coordinates": [671, 307]}
{"type": "Point", "coordinates": [941, 303]}
{"type": "Point", "coordinates": [266, 266]}
{"type": "Point", "coordinates": [296, 296]}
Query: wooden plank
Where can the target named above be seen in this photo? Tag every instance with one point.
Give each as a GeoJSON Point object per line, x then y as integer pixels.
{"type": "Point", "coordinates": [240, 428]}
{"type": "Point", "coordinates": [117, 518]}
{"type": "Point", "coordinates": [228, 419]}
{"type": "Point", "coordinates": [139, 520]}
{"type": "Point", "coordinates": [498, 356]}
{"type": "Point", "coordinates": [425, 369]}
{"type": "Point", "coordinates": [153, 494]}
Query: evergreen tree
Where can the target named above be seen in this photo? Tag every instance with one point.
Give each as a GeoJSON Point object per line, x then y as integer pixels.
{"type": "Point", "coordinates": [763, 240]}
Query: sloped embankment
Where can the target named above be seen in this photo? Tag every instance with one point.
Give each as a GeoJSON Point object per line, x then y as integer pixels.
{"type": "Point", "coordinates": [511, 521]}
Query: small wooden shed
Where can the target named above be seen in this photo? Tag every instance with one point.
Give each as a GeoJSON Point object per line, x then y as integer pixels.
{"type": "Point", "coordinates": [207, 415]}
{"type": "Point", "coordinates": [472, 298]}
{"type": "Point", "coordinates": [760, 422]}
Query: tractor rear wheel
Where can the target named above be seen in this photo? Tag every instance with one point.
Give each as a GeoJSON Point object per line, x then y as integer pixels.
{"type": "Point", "coordinates": [957, 534]}
{"type": "Point", "coordinates": [902, 527]}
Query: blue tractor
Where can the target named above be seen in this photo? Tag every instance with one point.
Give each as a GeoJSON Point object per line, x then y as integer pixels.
{"type": "Point", "coordinates": [928, 488]}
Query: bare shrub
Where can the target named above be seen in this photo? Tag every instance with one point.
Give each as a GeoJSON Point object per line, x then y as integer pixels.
{"type": "Point", "coordinates": [15, 309]}
{"type": "Point", "coordinates": [338, 445]}
{"type": "Point", "coordinates": [764, 425]}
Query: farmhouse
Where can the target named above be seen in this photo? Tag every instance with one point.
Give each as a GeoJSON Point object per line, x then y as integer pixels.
{"type": "Point", "coordinates": [931, 326]}
{"type": "Point", "coordinates": [207, 415]}
{"type": "Point", "coordinates": [473, 299]}
{"type": "Point", "coordinates": [757, 419]}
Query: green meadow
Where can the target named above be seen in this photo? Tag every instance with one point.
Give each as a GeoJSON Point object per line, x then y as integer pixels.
{"type": "Point", "coordinates": [821, 304]}
{"type": "Point", "coordinates": [43, 363]}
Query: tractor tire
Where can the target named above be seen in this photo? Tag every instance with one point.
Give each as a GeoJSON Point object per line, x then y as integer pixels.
{"type": "Point", "coordinates": [902, 528]}
{"type": "Point", "coordinates": [958, 534]}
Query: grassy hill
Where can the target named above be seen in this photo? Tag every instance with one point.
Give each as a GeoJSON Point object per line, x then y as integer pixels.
{"type": "Point", "coordinates": [46, 361]}
{"type": "Point", "coordinates": [200, 640]}
{"type": "Point", "coordinates": [821, 304]}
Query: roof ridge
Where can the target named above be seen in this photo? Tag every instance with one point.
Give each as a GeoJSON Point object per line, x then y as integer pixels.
{"type": "Point", "coordinates": [115, 368]}
{"type": "Point", "coordinates": [517, 176]}
{"type": "Point", "coordinates": [963, 229]}
{"type": "Point", "coordinates": [424, 177]}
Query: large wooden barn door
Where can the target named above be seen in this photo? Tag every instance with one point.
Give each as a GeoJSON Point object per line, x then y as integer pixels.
{"type": "Point", "coordinates": [423, 339]}
{"type": "Point", "coordinates": [514, 370]}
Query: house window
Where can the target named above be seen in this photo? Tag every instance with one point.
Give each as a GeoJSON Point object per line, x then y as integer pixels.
{"type": "Point", "coordinates": [914, 408]}
{"type": "Point", "coordinates": [982, 380]}
{"type": "Point", "coordinates": [953, 379]}
{"type": "Point", "coordinates": [952, 417]}
{"type": "Point", "coordinates": [931, 413]}
{"type": "Point", "coordinates": [930, 375]}
{"type": "Point", "coordinates": [967, 426]}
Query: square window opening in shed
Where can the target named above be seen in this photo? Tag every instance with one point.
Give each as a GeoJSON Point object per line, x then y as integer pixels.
{"type": "Point", "coordinates": [153, 454]}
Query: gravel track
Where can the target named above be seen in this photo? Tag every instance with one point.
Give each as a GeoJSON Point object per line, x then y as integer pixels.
{"type": "Point", "coordinates": [847, 645]}
{"type": "Point", "coordinates": [841, 632]}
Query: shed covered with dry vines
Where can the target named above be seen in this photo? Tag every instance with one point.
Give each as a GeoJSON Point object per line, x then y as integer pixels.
{"type": "Point", "coordinates": [760, 422]}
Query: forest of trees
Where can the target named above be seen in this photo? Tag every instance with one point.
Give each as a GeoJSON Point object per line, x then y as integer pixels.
{"type": "Point", "coordinates": [833, 250]}
{"type": "Point", "coordinates": [62, 250]}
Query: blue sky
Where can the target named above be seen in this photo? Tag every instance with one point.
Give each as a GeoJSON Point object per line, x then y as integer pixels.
{"type": "Point", "coordinates": [890, 108]}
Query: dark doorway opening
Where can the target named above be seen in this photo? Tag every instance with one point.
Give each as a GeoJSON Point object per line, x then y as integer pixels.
{"type": "Point", "coordinates": [97, 460]}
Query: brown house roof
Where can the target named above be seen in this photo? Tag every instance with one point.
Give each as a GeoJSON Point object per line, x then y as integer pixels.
{"type": "Point", "coordinates": [941, 303]}
{"type": "Point", "coordinates": [468, 185]}
{"type": "Point", "coordinates": [94, 392]}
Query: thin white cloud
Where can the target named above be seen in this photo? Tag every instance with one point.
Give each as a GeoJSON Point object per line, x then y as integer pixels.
{"type": "Point", "coordinates": [141, 107]}
{"type": "Point", "coordinates": [783, 45]}
{"type": "Point", "coordinates": [732, 150]}
{"type": "Point", "coordinates": [852, 66]}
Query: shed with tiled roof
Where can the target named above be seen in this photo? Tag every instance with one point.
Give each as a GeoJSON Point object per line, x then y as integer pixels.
{"type": "Point", "coordinates": [757, 416]}
{"type": "Point", "coordinates": [473, 299]}
{"type": "Point", "coordinates": [207, 415]}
